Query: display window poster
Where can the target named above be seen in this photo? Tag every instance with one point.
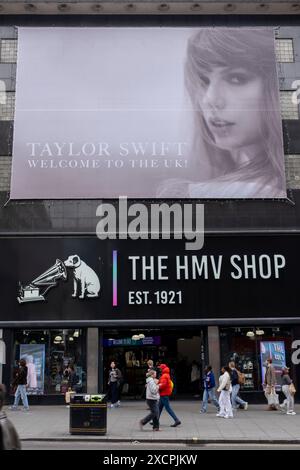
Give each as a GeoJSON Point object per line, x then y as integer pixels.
{"type": "Point", "coordinates": [274, 350]}
{"type": "Point", "coordinates": [34, 355]}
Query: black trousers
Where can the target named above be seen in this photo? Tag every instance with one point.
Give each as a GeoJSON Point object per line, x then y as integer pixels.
{"type": "Point", "coordinates": [153, 415]}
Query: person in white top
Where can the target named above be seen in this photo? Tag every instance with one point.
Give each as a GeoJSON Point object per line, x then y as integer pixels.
{"type": "Point", "coordinates": [225, 389]}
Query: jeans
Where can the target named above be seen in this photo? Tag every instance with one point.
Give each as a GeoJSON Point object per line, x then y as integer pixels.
{"type": "Point", "coordinates": [235, 400]}
{"type": "Point", "coordinates": [21, 392]}
{"type": "Point", "coordinates": [209, 394]}
{"type": "Point", "coordinates": [114, 390]}
{"type": "Point", "coordinates": [289, 401]}
{"type": "Point", "coordinates": [153, 415]}
{"type": "Point", "coordinates": [164, 403]}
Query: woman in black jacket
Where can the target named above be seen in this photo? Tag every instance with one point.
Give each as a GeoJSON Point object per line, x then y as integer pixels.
{"type": "Point", "coordinates": [21, 382]}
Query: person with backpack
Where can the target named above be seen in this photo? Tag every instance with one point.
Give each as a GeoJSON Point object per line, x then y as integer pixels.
{"type": "Point", "coordinates": [225, 389]}
{"type": "Point", "coordinates": [237, 378]}
{"type": "Point", "coordinates": [165, 390]}
{"type": "Point", "coordinates": [209, 384]}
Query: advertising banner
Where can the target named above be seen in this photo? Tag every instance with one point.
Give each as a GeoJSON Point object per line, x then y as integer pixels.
{"type": "Point", "coordinates": [147, 113]}
{"type": "Point", "coordinates": [274, 350]}
{"type": "Point", "coordinates": [34, 355]}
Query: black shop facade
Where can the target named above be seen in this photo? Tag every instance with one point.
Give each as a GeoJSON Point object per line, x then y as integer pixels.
{"type": "Point", "coordinates": [86, 302]}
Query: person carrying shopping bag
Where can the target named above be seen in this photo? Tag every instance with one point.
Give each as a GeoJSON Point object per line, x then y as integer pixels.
{"type": "Point", "coordinates": [289, 390]}
{"type": "Point", "coordinates": [270, 386]}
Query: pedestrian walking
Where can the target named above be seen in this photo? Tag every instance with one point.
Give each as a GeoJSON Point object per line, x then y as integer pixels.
{"type": "Point", "coordinates": [9, 439]}
{"type": "Point", "coordinates": [114, 385]}
{"type": "Point", "coordinates": [152, 398]}
{"type": "Point", "coordinates": [165, 390]}
{"type": "Point", "coordinates": [21, 382]}
{"type": "Point", "coordinates": [209, 385]}
{"type": "Point", "coordinates": [235, 382]}
{"type": "Point", "coordinates": [225, 388]}
{"type": "Point", "coordinates": [270, 386]}
{"type": "Point", "coordinates": [289, 390]}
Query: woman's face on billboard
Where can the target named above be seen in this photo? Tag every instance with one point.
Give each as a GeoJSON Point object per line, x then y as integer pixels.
{"type": "Point", "coordinates": [231, 101]}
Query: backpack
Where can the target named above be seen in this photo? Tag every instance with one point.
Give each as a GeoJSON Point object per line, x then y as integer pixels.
{"type": "Point", "coordinates": [241, 377]}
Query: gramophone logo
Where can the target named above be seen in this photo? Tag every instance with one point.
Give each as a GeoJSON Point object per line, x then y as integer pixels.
{"type": "Point", "coordinates": [85, 281]}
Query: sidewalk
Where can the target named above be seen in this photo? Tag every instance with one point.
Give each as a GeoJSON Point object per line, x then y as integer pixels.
{"type": "Point", "coordinates": [255, 425]}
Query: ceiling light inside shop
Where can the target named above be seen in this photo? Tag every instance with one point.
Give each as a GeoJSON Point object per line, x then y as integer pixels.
{"type": "Point", "coordinates": [259, 332]}
{"type": "Point", "coordinates": [76, 334]}
{"type": "Point", "coordinates": [250, 334]}
{"type": "Point", "coordinates": [135, 337]}
{"type": "Point", "coordinates": [141, 336]}
{"type": "Point", "coordinates": [71, 338]}
{"type": "Point", "coordinates": [58, 339]}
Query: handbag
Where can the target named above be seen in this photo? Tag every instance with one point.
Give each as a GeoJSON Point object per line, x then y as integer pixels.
{"type": "Point", "coordinates": [292, 389]}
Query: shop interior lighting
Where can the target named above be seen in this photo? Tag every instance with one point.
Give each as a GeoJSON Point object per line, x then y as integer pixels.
{"type": "Point", "coordinates": [135, 337]}
{"type": "Point", "coordinates": [141, 336]}
{"type": "Point", "coordinates": [250, 334]}
{"type": "Point", "coordinates": [71, 338]}
{"type": "Point", "coordinates": [76, 334]}
{"type": "Point", "coordinates": [259, 332]}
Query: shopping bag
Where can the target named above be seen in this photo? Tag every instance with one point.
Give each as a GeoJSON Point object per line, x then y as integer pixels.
{"type": "Point", "coordinates": [292, 388]}
{"type": "Point", "coordinates": [272, 397]}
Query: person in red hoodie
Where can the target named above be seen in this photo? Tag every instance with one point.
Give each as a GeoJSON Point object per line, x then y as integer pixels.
{"type": "Point", "coordinates": [165, 390]}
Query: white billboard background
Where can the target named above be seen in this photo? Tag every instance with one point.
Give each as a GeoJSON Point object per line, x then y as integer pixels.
{"type": "Point", "coordinates": [103, 112]}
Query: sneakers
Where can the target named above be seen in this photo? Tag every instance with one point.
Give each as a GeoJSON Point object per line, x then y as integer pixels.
{"type": "Point", "coordinates": [13, 408]}
{"type": "Point", "coordinates": [219, 415]}
{"type": "Point", "coordinates": [156, 429]}
{"type": "Point", "coordinates": [291, 413]}
{"type": "Point", "coordinates": [111, 405]}
{"type": "Point", "coordinates": [118, 404]}
{"type": "Point", "coordinates": [174, 425]}
{"type": "Point", "coordinates": [202, 411]}
{"type": "Point", "coordinates": [246, 406]}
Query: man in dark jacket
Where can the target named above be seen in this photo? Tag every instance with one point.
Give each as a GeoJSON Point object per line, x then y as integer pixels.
{"type": "Point", "coordinates": [9, 439]}
{"type": "Point", "coordinates": [21, 382]}
{"type": "Point", "coordinates": [209, 385]}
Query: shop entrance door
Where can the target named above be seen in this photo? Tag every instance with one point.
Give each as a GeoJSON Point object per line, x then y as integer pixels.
{"type": "Point", "coordinates": [182, 350]}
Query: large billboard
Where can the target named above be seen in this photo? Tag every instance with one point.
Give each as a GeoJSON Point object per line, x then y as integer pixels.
{"type": "Point", "coordinates": [147, 112]}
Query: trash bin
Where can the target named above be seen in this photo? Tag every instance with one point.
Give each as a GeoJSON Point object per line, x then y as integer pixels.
{"type": "Point", "coordinates": [88, 414]}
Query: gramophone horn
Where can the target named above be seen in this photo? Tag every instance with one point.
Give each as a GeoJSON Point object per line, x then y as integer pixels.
{"type": "Point", "coordinates": [57, 271]}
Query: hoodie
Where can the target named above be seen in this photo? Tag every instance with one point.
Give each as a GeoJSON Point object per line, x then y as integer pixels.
{"type": "Point", "coordinates": [165, 388]}
{"type": "Point", "coordinates": [152, 390]}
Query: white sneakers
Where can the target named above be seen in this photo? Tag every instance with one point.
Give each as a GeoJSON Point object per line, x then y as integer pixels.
{"type": "Point", "coordinates": [291, 413]}
{"type": "Point", "coordinates": [223, 416]}
{"type": "Point", "coordinates": [246, 406]}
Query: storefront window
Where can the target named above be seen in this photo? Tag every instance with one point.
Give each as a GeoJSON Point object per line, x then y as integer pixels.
{"type": "Point", "coordinates": [131, 349]}
{"type": "Point", "coordinates": [249, 347]}
{"type": "Point", "coordinates": [48, 354]}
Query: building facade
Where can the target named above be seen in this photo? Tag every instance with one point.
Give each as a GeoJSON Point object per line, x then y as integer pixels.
{"type": "Point", "coordinates": [233, 299]}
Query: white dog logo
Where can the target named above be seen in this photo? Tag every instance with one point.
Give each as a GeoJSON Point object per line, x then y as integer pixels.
{"type": "Point", "coordinates": [84, 276]}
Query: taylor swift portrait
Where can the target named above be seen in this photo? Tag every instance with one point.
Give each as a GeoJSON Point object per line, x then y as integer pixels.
{"type": "Point", "coordinates": [237, 150]}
